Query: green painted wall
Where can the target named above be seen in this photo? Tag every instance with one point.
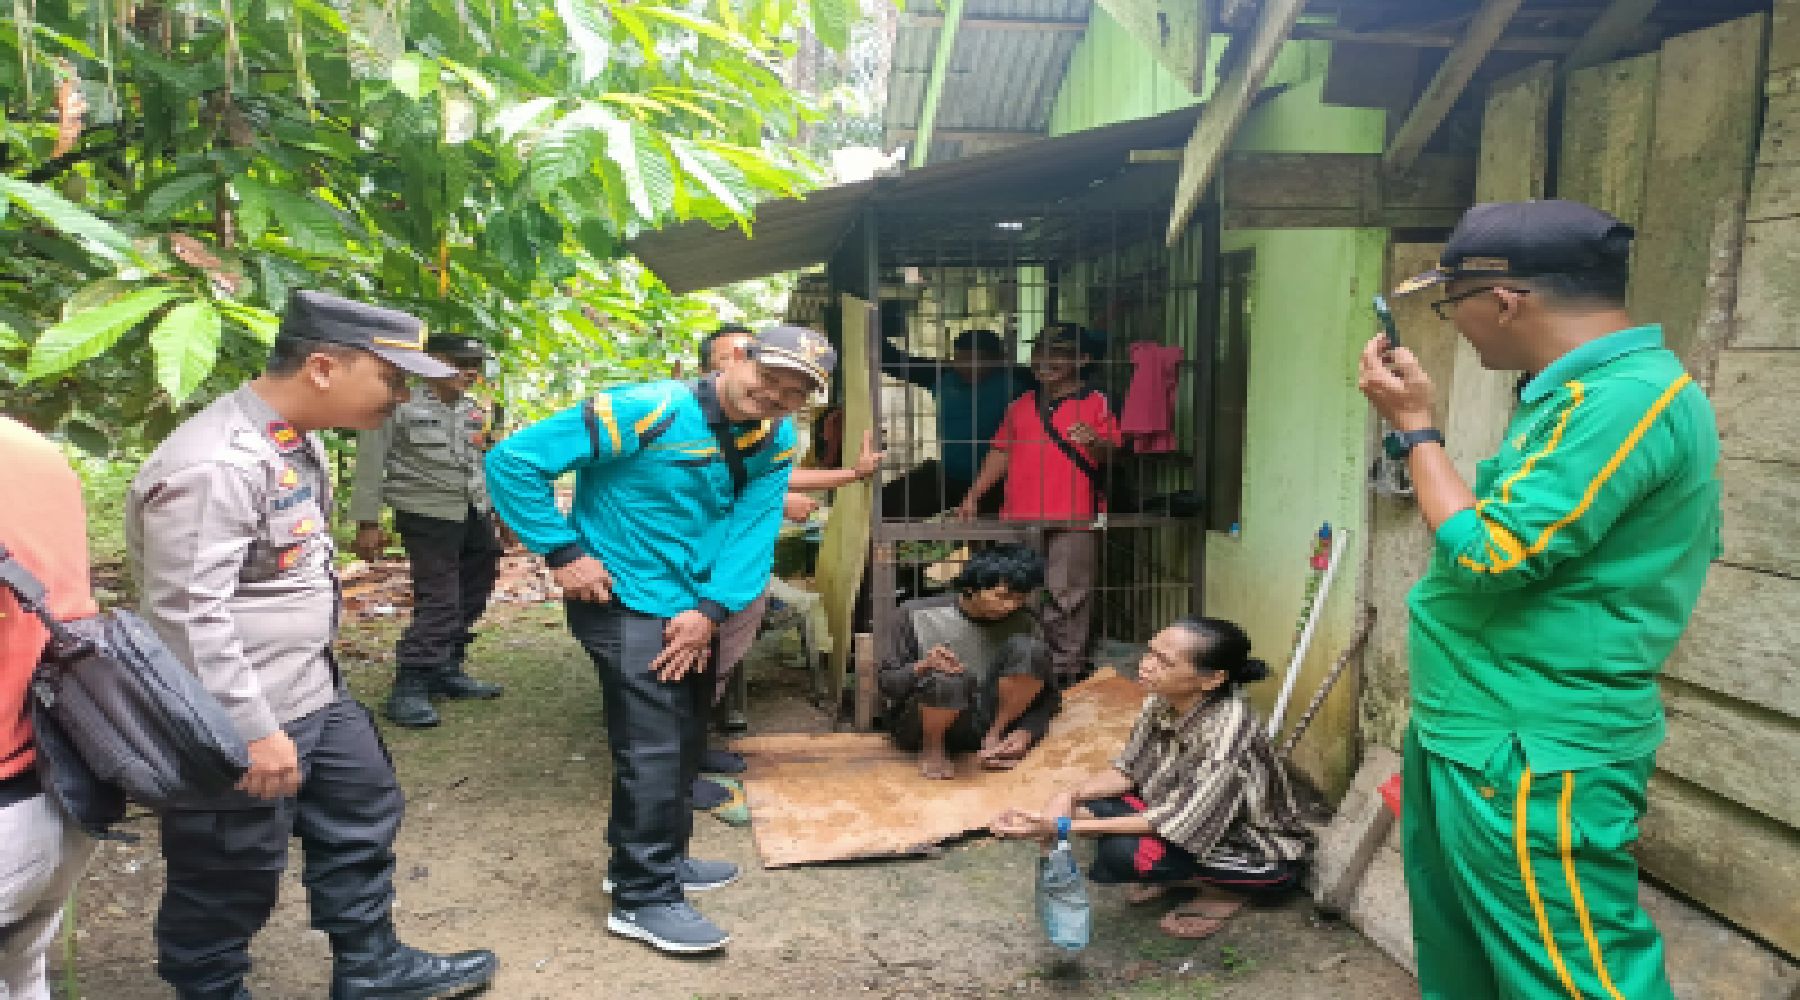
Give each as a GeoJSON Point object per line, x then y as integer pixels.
{"type": "Point", "coordinates": [1306, 435]}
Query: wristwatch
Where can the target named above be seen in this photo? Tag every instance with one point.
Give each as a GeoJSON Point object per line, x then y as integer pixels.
{"type": "Point", "coordinates": [1399, 444]}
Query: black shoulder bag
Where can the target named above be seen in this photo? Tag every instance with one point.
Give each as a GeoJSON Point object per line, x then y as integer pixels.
{"type": "Point", "coordinates": [1047, 413]}
{"type": "Point", "coordinates": [114, 715]}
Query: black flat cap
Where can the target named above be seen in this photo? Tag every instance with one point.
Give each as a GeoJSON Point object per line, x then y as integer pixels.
{"type": "Point", "coordinates": [796, 347]}
{"type": "Point", "coordinates": [386, 333]}
{"type": "Point", "coordinates": [1526, 239]}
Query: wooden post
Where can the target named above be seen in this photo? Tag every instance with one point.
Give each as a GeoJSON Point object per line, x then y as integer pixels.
{"type": "Point", "coordinates": [1452, 77]}
{"type": "Point", "coordinates": [1221, 116]}
{"type": "Point", "coordinates": [865, 682]}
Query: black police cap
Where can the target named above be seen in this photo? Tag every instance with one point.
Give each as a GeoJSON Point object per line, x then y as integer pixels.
{"type": "Point", "coordinates": [1527, 239]}
{"type": "Point", "coordinates": [457, 346]}
{"type": "Point", "coordinates": [387, 333]}
{"type": "Point", "coordinates": [796, 348]}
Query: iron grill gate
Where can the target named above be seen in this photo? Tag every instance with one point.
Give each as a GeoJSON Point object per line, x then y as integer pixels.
{"type": "Point", "coordinates": [1010, 270]}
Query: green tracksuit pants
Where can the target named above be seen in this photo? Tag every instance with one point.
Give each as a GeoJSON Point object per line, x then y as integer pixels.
{"type": "Point", "coordinates": [1521, 884]}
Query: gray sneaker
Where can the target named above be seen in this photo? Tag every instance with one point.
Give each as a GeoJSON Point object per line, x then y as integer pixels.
{"type": "Point", "coordinates": [677, 928]}
{"type": "Point", "coordinates": [696, 875]}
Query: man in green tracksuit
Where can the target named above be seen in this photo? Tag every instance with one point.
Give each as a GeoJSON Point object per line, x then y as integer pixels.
{"type": "Point", "coordinates": [1558, 586]}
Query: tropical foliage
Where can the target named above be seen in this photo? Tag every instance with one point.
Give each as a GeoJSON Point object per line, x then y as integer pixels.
{"type": "Point", "coordinates": [170, 169]}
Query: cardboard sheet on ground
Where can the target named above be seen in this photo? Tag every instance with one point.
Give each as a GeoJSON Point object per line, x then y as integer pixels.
{"type": "Point", "coordinates": [847, 796]}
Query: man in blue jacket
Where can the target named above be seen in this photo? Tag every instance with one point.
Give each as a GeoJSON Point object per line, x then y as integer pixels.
{"type": "Point", "coordinates": [678, 494]}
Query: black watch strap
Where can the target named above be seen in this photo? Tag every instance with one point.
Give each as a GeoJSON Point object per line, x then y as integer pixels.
{"type": "Point", "coordinates": [1401, 443]}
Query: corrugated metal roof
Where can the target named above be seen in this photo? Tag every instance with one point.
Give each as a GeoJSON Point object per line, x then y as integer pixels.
{"type": "Point", "coordinates": [795, 233]}
{"type": "Point", "coordinates": [1000, 79]}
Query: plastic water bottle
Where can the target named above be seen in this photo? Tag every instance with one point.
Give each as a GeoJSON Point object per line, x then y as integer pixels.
{"type": "Point", "coordinates": [1062, 894]}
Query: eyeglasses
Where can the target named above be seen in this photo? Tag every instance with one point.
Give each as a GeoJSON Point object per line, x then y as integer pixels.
{"type": "Point", "coordinates": [1443, 306]}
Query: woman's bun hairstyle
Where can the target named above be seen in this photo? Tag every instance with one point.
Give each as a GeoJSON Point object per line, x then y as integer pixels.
{"type": "Point", "coordinates": [1227, 649]}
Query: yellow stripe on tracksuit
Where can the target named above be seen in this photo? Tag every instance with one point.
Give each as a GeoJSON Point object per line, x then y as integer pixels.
{"type": "Point", "coordinates": [649, 419]}
{"type": "Point", "coordinates": [1505, 550]}
{"type": "Point", "coordinates": [1564, 839]}
{"type": "Point", "coordinates": [753, 435]}
{"type": "Point", "coordinates": [1522, 844]}
{"type": "Point", "coordinates": [1581, 911]}
{"type": "Point", "coordinates": [603, 410]}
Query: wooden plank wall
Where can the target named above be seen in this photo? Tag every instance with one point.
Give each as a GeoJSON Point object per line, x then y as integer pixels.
{"type": "Point", "coordinates": [1515, 152]}
{"type": "Point", "coordinates": [1665, 141]}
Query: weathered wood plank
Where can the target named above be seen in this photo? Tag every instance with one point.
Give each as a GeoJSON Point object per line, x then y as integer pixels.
{"type": "Point", "coordinates": [1610, 33]}
{"type": "Point", "coordinates": [1768, 303]}
{"type": "Point", "coordinates": [1753, 394]}
{"type": "Point", "coordinates": [1341, 191]}
{"type": "Point", "coordinates": [1775, 190]}
{"type": "Point", "coordinates": [1741, 865]}
{"type": "Point", "coordinates": [1174, 31]}
{"type": "Point", "coordinates": [1515, 152]}
{"type": "Point", "coordinates": [1747, 754]}
{"type": "Point", "coordinates": [1452, 77]}
{"type": "Point", "coordinates": [1220, 118]}
{"type": "Point", "coordinates": [1760, 499]}
{"type": "Point", "coordinates": [844, 552]}
{"type": "Point", "coordinates": [1741, 639]}
{"type": "Point", "coordinates": [1784, 36]}
{"type": "Point", "coordinates": [1708, 94]}
{"type": "Point", "coordinates": [1607, 113]}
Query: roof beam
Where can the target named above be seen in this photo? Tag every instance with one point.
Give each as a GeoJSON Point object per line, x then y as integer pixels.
{"type": "Point", "coordinates": [971, 134]}
{"type": "Point", "coordinates": [1612, 31]}
{"type": "Point", "coordinates": [1459, 67]}
{"type": "Point", "coordinates": [934, 85]}
{"type": "Point", "coordinates": [1221, 116]}
{"type": "Point", "coordinates": [1052, 24]}
{"type": "Point", "coordinates": [1175, 32]}
{"type": "Point", "coordinates": [1541, 44]}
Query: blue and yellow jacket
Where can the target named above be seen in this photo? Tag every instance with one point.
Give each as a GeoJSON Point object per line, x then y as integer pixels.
{"type": "Point", "coordinates": [654, 498]}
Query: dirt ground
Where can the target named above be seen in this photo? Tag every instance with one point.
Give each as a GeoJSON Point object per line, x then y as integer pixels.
{"type": "Point", "coordinates": [503, 847]}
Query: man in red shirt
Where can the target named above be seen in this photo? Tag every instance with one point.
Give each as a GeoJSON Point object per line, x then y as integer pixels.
{"type": "Point", "coordinates": [41, 854]}
{"type": "Point", "coordinates": [1049, 450]}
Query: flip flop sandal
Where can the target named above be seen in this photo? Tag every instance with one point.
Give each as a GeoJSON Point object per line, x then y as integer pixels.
{"type": "Point", "coordinates": [1205, 925]}
{"type": "Point", "coordinates": [717, 761]}
{"type": "Point", "coordinates": [734, 811]}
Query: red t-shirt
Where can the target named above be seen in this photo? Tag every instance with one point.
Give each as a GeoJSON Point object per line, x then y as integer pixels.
{"type": "Point", "coordinates": [42, 523]}
{"type": "Point", "coordinates": [1042, 483]}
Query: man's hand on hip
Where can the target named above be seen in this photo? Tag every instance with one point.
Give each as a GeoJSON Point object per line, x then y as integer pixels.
{"type": "Point", "coordinates": [687, 643]}
{"type": "Point", "coordinates": [274, 768]}
{"type": "Point", "coordinates": [1396, 386]}
{"type": "Point", "coordinates": [585, 579]}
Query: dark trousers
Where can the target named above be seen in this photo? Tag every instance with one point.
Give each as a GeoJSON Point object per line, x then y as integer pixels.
{"type": "Point", "coordinates": [657, 733]}
{"type": "Point", "coordinates": [225, 863]}
{"type": "Point", "coordinates": [454, 566]}
{"type": "Point", "coordinates": [1134, 858]}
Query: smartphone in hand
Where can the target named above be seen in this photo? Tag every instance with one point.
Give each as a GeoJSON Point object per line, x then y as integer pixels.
{"type": "Point", "coordinates": [1387, 322]}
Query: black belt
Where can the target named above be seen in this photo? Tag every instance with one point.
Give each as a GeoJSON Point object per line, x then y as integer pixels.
{"type": "Point", "coordinates": [20, 787]}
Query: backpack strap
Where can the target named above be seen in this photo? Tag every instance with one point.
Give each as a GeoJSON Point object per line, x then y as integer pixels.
{"type": "Point", "coordinates": [30, 591]}
{"type": "Point", "coordinates": [706, 393]}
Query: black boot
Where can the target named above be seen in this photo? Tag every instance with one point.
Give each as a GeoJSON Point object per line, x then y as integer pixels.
{"type": "Point", "coordinates": [452, 681]}
{"type": "Point", "coordinates": [374, 965]}
{"type": "Point", "coordinates": [410, 704]}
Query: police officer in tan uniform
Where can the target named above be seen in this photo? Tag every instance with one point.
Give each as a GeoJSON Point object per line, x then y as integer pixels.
{"type": "Point", "coordinates": [425, 462]}
{"type": "Point", "coordinates": [226, 526]}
